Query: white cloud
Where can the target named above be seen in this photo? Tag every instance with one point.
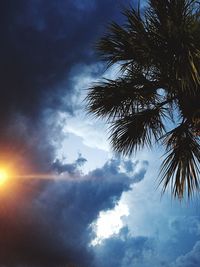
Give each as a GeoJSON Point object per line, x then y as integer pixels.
{"type": "Point", "coordinates": [109, 223]}
{"type": "Point", "coordinates": [94, 133]}
{"type": "Point", "coordinates": [143, 210]}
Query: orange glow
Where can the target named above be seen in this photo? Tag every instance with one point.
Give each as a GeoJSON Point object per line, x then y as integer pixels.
{"type": "Point", "coordinates": [14, 164]}
{"type": "Point", "coordinates": [3, 176]}
{"type": "Point", "coordinates": [7, 173]}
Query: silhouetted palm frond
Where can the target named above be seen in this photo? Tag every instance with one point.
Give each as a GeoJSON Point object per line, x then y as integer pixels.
{"type": "Point", "coordinates": [118, 98]}
{"type": "Point", "coordinates": [132, 132]}
{"type": "Point", "coordinates": [173, 27]}
{"type": "Point", "coordinates": [181, 166]}
{"type": "Point", "coordinates": [126, 44]}
{"type": "Point", "coordinates": [157, 50]}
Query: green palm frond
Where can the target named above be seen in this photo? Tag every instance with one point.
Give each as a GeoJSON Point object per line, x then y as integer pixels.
{"type": "Point", "coordinates": [180, 169]}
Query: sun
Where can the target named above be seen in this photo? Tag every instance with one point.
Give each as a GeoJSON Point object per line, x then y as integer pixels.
{"type": "Point", "coordinates": [3, 176]}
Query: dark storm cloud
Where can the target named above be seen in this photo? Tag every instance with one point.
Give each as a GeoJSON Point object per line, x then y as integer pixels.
{"type": "Point", "coordinates": [47, 223]}
{"type": "Point", "coordinates": [70, 168]}
{"type": "Point", "coordinates": [124, 251]}
{"type": "Point", "coordinates": [181, 247]}
{"type": "Point", "coordinates": [191, 259]}
{"type": "Point", "coordinates": [183, 232]}
{"type": "Point", "coordinates": [41, 41]}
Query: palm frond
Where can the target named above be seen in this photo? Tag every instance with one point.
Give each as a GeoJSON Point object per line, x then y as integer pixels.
{"type": "Point", "coordinates": [189, 106]}
{"type": "Point", "coordinates": [131, 133]}
{"type": "Point", "coordinates": [180, 169]}
{"type": "Point", "coordinates": [158, 50]}
{"type": "Point", "coordinates": [118, 98]}
{"type": "Point", "coordinates": [172, 27]}
{"type": "Point", "coordinates": [127, 44]}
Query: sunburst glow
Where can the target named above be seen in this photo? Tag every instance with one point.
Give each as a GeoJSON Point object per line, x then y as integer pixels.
{"type": "Point", "coordinates": [3, 176]}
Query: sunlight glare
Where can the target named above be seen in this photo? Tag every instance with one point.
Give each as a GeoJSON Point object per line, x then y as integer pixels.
{"type": "Point", "coordinates": [109, 223]}
{"type": "Point", "coordinates": [3, 176]}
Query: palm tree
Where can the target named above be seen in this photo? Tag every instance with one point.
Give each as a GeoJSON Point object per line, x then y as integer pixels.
{"type": "Point", "coordinates": [156, 96]}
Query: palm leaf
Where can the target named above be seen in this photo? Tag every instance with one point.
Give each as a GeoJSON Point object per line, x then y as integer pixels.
{"type": "Point", "coordinates": [128, 44]}
{"type": "Point", "coordinates": [159, 50]}
{"type": "Point", "coordinates": [172, 26]}
{"type": "Point", "coordinates": [131, 133]}
{"type": "Point", "coordinates": [180, 169]}
{"type": "Point", "coordinates": [117, 98]}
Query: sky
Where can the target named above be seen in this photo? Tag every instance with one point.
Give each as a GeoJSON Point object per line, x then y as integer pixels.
{"type": "Point", "coordinates": [74, 201]}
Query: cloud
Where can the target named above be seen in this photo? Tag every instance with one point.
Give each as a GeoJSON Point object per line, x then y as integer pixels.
{"type": "Point", "coordinates": [71, 169]}
{"type": "Point", "coordinates": [92, 132]}
{"type": "Point", "coordinates": [191, 259]}
{"type": "Point", "coordinates": [47, 222]}
{"type": "Point", "coordinates": [42, 42]}
{"type": "Point", "coordinates": [47, 57]}
{"type": "Point", "coordinates": [157, 231]}
{"type": "Point", "coordinates": [125, 251]}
